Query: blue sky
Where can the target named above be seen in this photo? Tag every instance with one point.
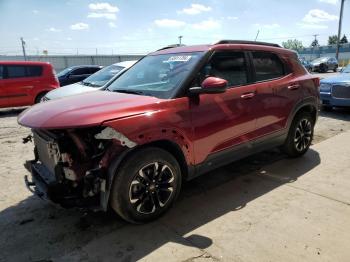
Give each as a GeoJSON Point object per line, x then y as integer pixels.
{"type": "Point", "coordinates": [131, 26]}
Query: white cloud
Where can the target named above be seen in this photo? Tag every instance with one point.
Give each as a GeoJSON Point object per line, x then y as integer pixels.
{"type": "Point", "coordinates": [268, 26]}
{"type": "Point", "coordinates": [112, 25]}
{"type": "Point", "coordinates": [35, 12]}
{"type": "Point", "coordinates": [79, 26]}
{"type": "Point", "coordinates": [53, 29]}
{"type": "Point", "coordinates": [69, 39]}
{"type": "Point", "coordinates": [169, 23]}
{"type": "Point", "coordinates": [103, 7]}
{"type": "Point", "coordinates": [207, 25]}
{"type": "Point", "coordinates": [195, 9]}
{"type": "Point", "coordinates": [103, 10]}
{"type": "Point", "coordinates": [312, 26]}
{"type": "Point", "coordinates": [332, 2]}
{"type": "Point", "coordinates": [315, 16]}
{"type": "Point", "coordinates": [102, 15]}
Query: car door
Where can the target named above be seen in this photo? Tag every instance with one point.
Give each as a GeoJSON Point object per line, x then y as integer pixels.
{"type": "Point", "coordinates": [222, 121]}
{"type": "Point", "coordinates": [276, 92]}
{"type": "Point", "coordinates": [17, 86]}
{"type": "Point", "coordinates": [3, 96]}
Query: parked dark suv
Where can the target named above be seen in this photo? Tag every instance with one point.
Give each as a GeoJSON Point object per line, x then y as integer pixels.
{"type": "Point", "coordinates": [76, 74]}
{"type": "Point", "coordinates": [175, 114]}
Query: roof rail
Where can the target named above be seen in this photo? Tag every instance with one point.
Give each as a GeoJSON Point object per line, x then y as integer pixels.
{"type": "Point", "coordinates": [246, 42]}
{"type": "Point", "coordinates": [170, 46]}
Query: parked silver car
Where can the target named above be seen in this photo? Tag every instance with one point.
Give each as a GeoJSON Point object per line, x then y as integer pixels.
{"type": "Point", "coordinates": [95, 82]}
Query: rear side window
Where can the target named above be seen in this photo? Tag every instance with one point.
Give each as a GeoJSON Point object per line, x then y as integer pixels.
{"type": "Point", "coordinates": [1, 72]}
{"type": "Point", "coordinates": [267, 66]}
{"type": "Point", "coordinates": [34, 71]}
{"type": "Point", "coordinates": [18, 71]}
{"type": "Point", "coordinates": [230, 66]}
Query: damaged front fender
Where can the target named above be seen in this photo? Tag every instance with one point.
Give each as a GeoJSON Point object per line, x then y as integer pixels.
{"type": "Point", "coordinates": [110, 133]}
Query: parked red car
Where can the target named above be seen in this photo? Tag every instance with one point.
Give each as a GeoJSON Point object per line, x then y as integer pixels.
{"type": "Point", "coordinates": [25, 83]}
{"type": "Point", "coordinates": [175, 114]}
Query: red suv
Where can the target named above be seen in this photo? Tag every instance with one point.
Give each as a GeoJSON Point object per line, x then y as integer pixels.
{"type": "Point", "coordinates": [25, 83]}
{"type": "Point", "coordinates": [175, 114]}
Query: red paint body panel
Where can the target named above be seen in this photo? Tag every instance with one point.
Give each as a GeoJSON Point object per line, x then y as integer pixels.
{"type": "Point", "coordinates": [23, 91]}
{"type": "Point", "coordinates": [86, 110]}
{"type": "Point", "coordinates": [200, 125]}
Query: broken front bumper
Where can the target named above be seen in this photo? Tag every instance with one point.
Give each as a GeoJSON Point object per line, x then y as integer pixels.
{"type": "Point", "coordinates": [45, 185]}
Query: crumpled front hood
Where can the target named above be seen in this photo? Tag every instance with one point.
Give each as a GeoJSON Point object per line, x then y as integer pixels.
{"type": "Point", "coordinates": [90, 109]}
{"type": "Point", "coordinates": [69, 90]}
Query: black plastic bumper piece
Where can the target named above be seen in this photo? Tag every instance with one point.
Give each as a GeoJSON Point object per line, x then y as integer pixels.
{"type": "Point", "coordinates": [44, 184]}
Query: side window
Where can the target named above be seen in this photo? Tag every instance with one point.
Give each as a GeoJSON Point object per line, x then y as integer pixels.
{"type": "Point", "coordinates": [267, 66]}
{"type": "Point", "coordinates": [81, 71]}
{"type": "Point", "coordinates": [1, 72]}
{"type": "Point", "coordinates": [14, 71]}
{"type": "Point", "coordinates": [230, 66]}
{"type": "Point", "coordinates": [93, 70]}
{"type": "Point", "coordinates": [33, 71]}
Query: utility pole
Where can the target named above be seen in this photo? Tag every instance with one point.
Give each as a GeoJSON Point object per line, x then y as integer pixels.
{"type": "Point", "coordinates": [257, 34]}
{"type": "Point", "coordinates": [180, 38]}
{"type": "Point", "coordinates": [339, 27]}
{"type": "Point", "coordinates": [313, 47]}
{"type": "Point", "coordinates": [24, 49]}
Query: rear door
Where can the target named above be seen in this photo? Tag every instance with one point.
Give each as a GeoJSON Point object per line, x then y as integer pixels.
{"type": "Point", "coordinates": [276, 92]}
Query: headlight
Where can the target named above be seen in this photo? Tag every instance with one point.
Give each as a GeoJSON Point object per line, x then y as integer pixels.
{"type": "Point", "coordinates": [325, 87]}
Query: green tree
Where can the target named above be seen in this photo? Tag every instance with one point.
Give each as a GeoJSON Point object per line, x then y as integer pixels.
{"type": "Point", "coordinates": [293, 44]}
{"type": "Point", "coordinates": [332, 40]}
{"type": "Point", "coordinates": [344, 40]}
{"type": "Point", "coordinates": [315, 43]}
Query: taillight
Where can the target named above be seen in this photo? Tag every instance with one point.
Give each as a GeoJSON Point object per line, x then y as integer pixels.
{"type": "Point", "coordinates": [316, 81]}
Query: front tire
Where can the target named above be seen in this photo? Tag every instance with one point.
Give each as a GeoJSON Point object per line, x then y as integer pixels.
{"type": "Point", "coordinates": [146, 185]}
{"type": "Point", "coordinates": [39, 97]}
{"type": "Point", "coordinates": [300, 135]}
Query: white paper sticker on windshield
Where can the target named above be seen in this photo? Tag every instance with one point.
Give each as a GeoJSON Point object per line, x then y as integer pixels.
{"type": "Point", "coordinates": [180, 58]}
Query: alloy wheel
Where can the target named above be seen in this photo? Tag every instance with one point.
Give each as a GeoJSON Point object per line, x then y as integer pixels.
{"type": "Point", "coordinates": [151, 188]}
{"type": "Point", "coordinates": [303, 135]}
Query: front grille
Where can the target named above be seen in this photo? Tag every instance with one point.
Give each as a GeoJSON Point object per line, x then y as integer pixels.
{"type": "Point", "coordinates": [341, 91]}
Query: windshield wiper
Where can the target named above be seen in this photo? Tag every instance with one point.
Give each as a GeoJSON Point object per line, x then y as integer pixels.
{"type": "Point", "coordinates": [127, 91]}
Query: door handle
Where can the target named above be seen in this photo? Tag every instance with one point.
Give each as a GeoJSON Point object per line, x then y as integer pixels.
{"type": "Point", "coordinates": [294, 87]}
{"type": "Point", "coordinates": [248, 95]}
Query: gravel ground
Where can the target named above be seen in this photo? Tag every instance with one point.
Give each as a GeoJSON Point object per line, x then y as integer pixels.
{"type": "Point", "coordinates": [32, 230]}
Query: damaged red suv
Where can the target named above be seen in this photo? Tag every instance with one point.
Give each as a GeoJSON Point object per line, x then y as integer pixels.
{"type": "Point", "coordinates": [176, 114]}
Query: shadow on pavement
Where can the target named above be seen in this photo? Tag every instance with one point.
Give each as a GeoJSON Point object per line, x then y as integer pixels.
{"type": "Point", "coordinates": [34, 230]}
{"type": "Point", "coordinates": [7, 112]}
{"type": "Point", "coordinates": [339, 113]}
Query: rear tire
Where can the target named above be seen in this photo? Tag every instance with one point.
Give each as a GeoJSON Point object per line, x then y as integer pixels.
{"type": "Point", "coordinates": [335, 69]}
{"type": "Point", "coordinates": [300, 135]}
{"type": "Point", "coordinates": [146, 185]}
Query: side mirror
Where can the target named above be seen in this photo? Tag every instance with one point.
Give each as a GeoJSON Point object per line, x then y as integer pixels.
{"type": "Point", "coordinates": [210, 85]}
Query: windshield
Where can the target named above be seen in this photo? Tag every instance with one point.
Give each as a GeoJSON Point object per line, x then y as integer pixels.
{"type": "Point", "coordinates": [346, 69]}
{"type": "Point", "coordinates": [100, 78]}
{"type": "Point", "coordinates": [64, 72]}
{"type": "Point", "coordinates": [157, 75]}
{"type": "Point", "coordinates": [321, 59]}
